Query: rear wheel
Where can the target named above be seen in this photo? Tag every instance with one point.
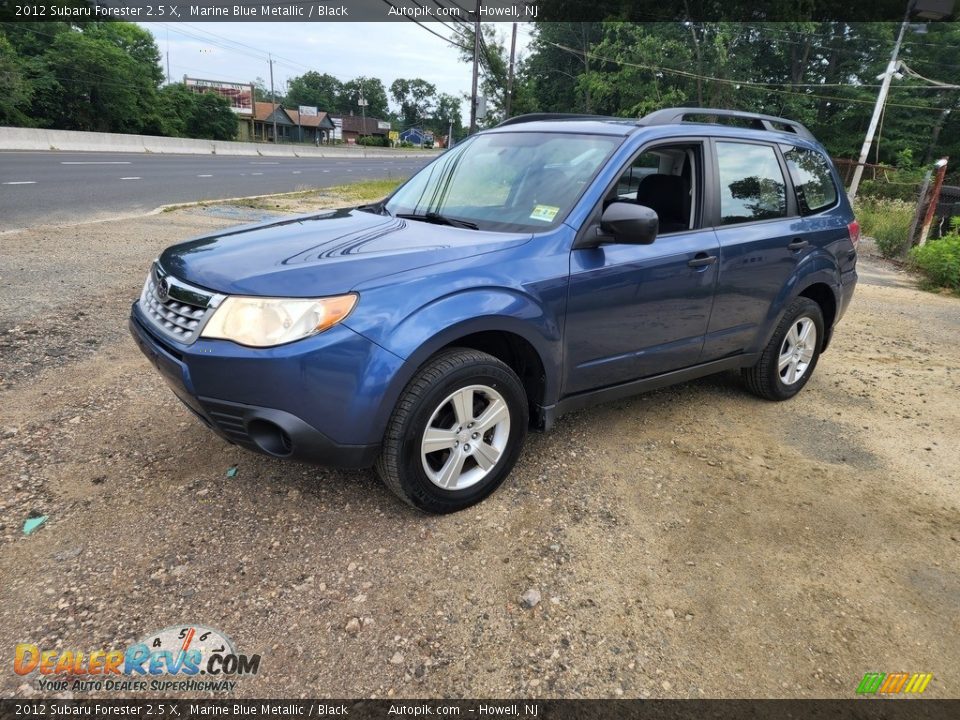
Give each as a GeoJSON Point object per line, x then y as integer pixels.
{"type": "Point", "coordinates": [456, 432]}
{"type": "Point", "coordinates": [790, 357]}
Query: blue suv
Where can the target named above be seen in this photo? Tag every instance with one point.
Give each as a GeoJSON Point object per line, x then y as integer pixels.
{"type": "Point", "coordinates": [534, 269]}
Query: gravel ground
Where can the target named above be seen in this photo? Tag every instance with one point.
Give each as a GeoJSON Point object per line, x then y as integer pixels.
{"type": "Point", "coordinates": [693, 542]}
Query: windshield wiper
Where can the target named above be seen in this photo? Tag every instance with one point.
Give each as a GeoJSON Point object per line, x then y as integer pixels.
{"type": "Point", "coordinates": [438, 219]}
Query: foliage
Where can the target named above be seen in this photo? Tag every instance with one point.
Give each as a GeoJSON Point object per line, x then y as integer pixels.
{"type": "Point", "coordinates": [188, 114]}
{"type": "Point", "coordinates": [211, 118]}
{"type": "Point", "coordinates": [820, 73]}
{"type": "Point", "coordinates": [318, 90]}
{"type": "Point", "coordinates": [939, 260]}
{"type": "Point", "coordinates": [373, 92]}
{"type": "Point", "coordinates": [15, 86]}
{"type": "Point", "coordinates": [415, 98]}
{"type": "Point", "coordinates": [886, 221]}
{"type": "Point", "coordinates": [374, 141]}
{"type": "Point", "coordinates": [896, 185]}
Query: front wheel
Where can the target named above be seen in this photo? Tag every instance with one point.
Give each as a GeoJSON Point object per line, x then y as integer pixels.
{"type": "Point", "coordinates": [455, 433]}
{"type": "Point", "coordinates": [790, 357]}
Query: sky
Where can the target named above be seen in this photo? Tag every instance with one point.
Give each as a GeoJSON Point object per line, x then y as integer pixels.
{"type": "Point", "coordinates": [237, 51]}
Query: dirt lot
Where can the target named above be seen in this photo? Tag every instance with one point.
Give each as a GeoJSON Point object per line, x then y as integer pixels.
{"type": "Point", "coordinates": [692, 542]}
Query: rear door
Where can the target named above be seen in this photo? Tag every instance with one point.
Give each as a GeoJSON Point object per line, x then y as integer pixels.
{"type": "Point", "coordinates": [762, 239]}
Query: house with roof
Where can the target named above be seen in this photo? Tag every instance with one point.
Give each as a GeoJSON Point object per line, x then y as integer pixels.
{"type": "Point", "coordinates": [354, 127]}
{"type": "Point", "coordinates": [291, 126]}
{"type": "Point", "coordinates": [417, 136]}
{"type": "Point", "coordinates": [316, 129]}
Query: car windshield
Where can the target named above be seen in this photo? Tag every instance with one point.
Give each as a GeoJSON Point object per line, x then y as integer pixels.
{"type": "Point", "coordinates": [517, 181]}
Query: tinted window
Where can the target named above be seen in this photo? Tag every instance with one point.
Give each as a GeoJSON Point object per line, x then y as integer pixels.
{"type": "Point", "coordinates": [751, 183]}
{"type": "Point", "coordinates": [812, 179]}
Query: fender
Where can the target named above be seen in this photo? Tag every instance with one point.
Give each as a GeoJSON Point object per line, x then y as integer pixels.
{"type": "Point", "coordinates": [817, 267]}
{"type": "Point", "coordinates": [507, 310]}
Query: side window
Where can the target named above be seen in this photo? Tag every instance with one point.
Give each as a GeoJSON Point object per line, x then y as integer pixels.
{"type": "Point", "coordinates": [751, 183]}
{"type": "Point", "coordinates": [812, 179]}
{"type": "Point", "coordinates": [666, 179]}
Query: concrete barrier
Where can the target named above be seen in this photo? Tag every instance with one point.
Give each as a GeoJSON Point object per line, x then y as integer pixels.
{"type": "Point", "coordinates": [14, 138]}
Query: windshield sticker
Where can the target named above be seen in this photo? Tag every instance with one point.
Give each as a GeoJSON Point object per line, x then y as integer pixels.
{"type": "Point", "coordinates": [544, 212]}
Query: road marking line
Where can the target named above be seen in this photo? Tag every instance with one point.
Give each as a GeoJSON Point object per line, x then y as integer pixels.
{"type": "Point", "coordinates": [204, 175]}
{"type": "Point", "coordinates": [95, 162]}
{"type": "Point", "coordinates": [264, 163]}
{"type": "Point", "coordinates": [326, 171]}
{"type": "Point", "coordinates": [21, 182]}
{"type": "Point", "coordinates": [296, 172]}
{"type": "Point", "coordinates": [136, 177]}
{"type": "Point", "coordinates": [256, 173]}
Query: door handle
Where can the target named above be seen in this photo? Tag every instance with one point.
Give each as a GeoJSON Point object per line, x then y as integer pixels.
{"type": "Point", "coordinates": [797, 244]}
{"type": "Point", "coordinates": [702, 260]}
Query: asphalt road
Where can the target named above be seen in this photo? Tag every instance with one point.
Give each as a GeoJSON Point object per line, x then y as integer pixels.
{"type": "Point", "coordinates": [38, 188]}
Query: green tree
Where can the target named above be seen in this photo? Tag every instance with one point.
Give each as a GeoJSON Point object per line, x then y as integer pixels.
{"type": "Point", "coordinates": [312, 88]}
{"type": "Point", "coordinates": [95, 86]}
{"type": "Point", "coordinates": [446, 113]}
{"type": "Point", "coordinates": [373, 92]}
{"type": "Point", "coordinates": [211, 118]}
{"type": "Point", "coordinates": [416, 98]}
{"type": "Point", "coordinates": [196, 115]}
{"type": "Point", "coordinates": [16, 88]}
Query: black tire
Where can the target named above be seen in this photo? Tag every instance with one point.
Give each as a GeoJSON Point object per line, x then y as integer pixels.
{"type": "Point", "coordinates": [401, 465]}
{"type": "Point", "coordinates": [766, 379]}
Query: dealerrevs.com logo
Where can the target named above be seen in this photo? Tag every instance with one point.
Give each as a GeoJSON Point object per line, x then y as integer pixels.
{"type": "Point", "coordinates": [188, 658]}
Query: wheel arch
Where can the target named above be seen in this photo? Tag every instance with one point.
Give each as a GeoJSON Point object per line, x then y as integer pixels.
{"type": "Point", "coordinates": [816, 278]}
{"type": "Point", "coordinates": [528, 343]}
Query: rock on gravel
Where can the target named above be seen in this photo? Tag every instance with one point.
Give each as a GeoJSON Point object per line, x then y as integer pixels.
{"type": "Point", "coordinates": [530, 599]}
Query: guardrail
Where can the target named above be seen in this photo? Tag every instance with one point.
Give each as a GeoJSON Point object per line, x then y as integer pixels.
{"type": "Point", "coordinates": [15, 138]}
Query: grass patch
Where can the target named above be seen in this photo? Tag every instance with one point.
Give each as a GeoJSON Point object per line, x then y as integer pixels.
{"type": "Point", "coordinates": [357, 193]}
{"type": "Point", "coordinates": [887, 222]}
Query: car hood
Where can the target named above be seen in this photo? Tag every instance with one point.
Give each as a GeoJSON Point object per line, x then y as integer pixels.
{"type": "Point", "coordinates": [325, 254]}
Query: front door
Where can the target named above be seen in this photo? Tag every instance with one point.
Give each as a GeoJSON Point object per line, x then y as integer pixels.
{"type": "Point", "coordinates": [640, 310]}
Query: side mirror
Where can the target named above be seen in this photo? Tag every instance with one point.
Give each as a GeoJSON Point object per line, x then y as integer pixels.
{"type": "Point", "coordinates": [630, 223]}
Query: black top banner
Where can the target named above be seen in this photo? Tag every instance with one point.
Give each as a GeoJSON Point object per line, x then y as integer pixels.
{"type": "Point", "coordinates": [505, 11]}
{"type": "Point", "coordinates": [861, 709]}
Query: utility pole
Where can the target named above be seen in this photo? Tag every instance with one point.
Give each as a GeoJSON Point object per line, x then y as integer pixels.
{"type": "Point", "coordinates": [476, 70]}
{"type": "Point", "coordinates": [362, 102]}
{"type": "Point", "coordinates": [878, 107]}
{"type": "Point", "coordinates": [273, 100]}
{"type": "Point", "coordinates": [169, 76]}
{"type": "Point", "coordinates": [513, 52]}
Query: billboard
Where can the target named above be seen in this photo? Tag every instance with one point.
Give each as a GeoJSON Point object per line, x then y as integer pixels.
{"type": "Point", "coordinates": [308, 111]}
{"type": "Point", "coordinates": [240, 95]}
{"type": "Point", "coordinates": [383, 125]}
{"type": "Point", "coordinates": [337, 128]}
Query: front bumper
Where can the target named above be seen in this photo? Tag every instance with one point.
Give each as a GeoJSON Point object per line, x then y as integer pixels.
{"type": "Point", "coordinates": [311, 401]}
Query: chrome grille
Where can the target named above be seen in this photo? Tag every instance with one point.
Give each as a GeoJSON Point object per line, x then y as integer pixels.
{"type": "Point", "coordinates": [174, 308]}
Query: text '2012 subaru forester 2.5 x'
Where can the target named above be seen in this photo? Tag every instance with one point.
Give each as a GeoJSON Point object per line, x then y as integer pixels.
{"type": "Point", "coordinates": [536, 268]}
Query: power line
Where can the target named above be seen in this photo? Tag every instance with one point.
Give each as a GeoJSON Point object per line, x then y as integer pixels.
{"type": "Point", "coordinates": [741, 83]}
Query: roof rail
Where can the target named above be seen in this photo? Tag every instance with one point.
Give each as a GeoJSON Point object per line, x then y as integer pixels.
{"type": "Point", "coordinates": [535, 117]}
{"type": "Point", "coordinates": [770, 123]}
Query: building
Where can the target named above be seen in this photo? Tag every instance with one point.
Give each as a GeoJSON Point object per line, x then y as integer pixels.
{"type": "Point", "coordinates": [417, 136]}
{"type": "Point", "coordinates": [291, 126]}
{"type": "Point", "coordinates": [354, 127]}
{"type": "Point", "coordinates": [311, 128]}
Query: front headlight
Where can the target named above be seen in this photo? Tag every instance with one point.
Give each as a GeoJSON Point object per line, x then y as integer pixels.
{"type": "Point", "coordinates": [264, 322]}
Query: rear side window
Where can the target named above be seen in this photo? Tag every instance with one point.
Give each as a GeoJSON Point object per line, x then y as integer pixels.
{"type": "Point", "coordinates": [751, 183]}
{"type": "Point", "coordinates": [812, 179]}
